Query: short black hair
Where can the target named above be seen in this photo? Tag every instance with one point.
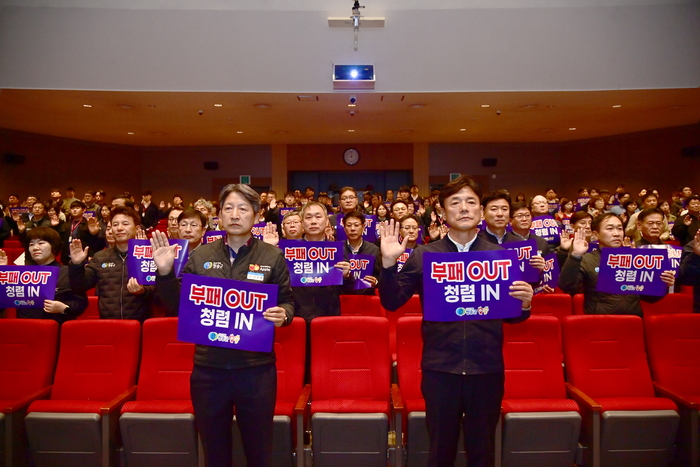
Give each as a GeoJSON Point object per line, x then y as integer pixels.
{"type": "Point", "coordinates": [518, 206]}
{"type": "Point", "coordinates": [47, 234]}
{"type": "Point", "coordinates": [496, 195]}
{"type": "Point", "coordinates": [127, 211]}
{"type": "Point", "coordinates": [456, 185]}
{"type": "Point", "coordinates": [357, 215]}
{"type": "Point", "coordinates": [595, 225]}
{"type": "Point", "coordinates": [191, 213]}
{"type": "Point", "coordinates": [648, 212]}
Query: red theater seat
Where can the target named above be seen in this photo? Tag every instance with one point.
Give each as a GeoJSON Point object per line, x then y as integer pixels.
{"type": "Point", "coordinates": [609, 377]}
{"type": "Point", "coordinates": [28, 350]}
{"type": "Point", "coordinates": [350, 390]}
{"type": "Point", "coordinates": [577, 302]}
{"type": "Point", "coordinates": [361, 305]}
{"type": "Point", "coordinates": [671, 303]}
{"type": "Point", "coordinates": [411, 308]}
{"type": "Point", "coordinates": [535, 397]}
{"type": "Point", "coordinates": [552, 304]}
{"type": "Point", "coordinates": [158, 427]}
{"type": "Point", "coordinates": [92, 311]}
{"type": "Point", "coordinates": [94, 377]}
{"type": "Point", "coordinates": [673, 344]}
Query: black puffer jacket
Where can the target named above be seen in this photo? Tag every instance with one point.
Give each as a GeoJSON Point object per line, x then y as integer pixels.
{"type": "Point", "coordinates": [213, 260]}
{"type": "Point", "coordinates": [107, 270]}
{"type": "Point", "coordinates": [580, 275]}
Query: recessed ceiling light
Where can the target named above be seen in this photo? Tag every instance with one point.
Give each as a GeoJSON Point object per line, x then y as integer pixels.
{"type": "Point", "coordinates": [352, 105]}
{"type": "Point", "coordinates": [262, 106]}
{"type": "Point", "coordinates": [351, 131]}
{"type": "Point", "coordinates": [462, 129]}
{"type": "Point", "coordinates": [616, 106]}
{"type": "Point", "coordinates": [572, 129]}
{"type": "Point", "coordinates": [87, 105]}
{"type": "Point", "coordinates": [485, 106]}
{"type": "Point", "coordinates": [129, 132]}
{"type": "Point", "coordinates": [125, 106]}
{"type": "Point", "coordinates": [239, 132]}
{"type": "Point", "coordinates": [218, 105]}
{"type": "Point", "coordinates": [152, 106]}
{"type": "Point", "coordinates": [417, 106]}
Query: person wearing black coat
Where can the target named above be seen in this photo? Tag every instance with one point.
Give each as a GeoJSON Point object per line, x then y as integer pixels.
{"type": "Point", "coordinates": [462, 363]}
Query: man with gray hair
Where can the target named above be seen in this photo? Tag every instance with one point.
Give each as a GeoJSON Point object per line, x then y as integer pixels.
{"type": "Point", "coordinates": [223, 378]}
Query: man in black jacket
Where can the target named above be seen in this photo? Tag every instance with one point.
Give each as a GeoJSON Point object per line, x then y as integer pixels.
{"type": "Point", "coordinates": [462, 363]}
{"type": "Point", "coordinates": [121, 297]}
{"type": "Point", "coordinates": [580, 271]}
{"type": "Point", "coordinates": [225, 378]}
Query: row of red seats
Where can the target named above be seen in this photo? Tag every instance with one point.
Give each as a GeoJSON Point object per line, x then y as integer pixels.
{"type": "Point", "coordinates": [351, 407]}
{"type": "Point", "coordinates": [620, 412]}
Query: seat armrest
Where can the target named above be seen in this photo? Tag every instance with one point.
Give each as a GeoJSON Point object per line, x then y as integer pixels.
{"type": "Point", "coordinates": [303, 400]}
{"type": "Point", "coordinates": [19, 404]}
{"type": "Point", "coordinates": [675, 397]}
{"type": "Point", "coordinates": [396, 399]}
{"type": "Point", "coordinates": [582, 398]}
{"type": "Point", "coordinates": [116, 403]}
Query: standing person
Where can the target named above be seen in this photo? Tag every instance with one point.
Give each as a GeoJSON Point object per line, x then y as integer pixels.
{"type": "Point", "coordinates": [120, 297]}
{"type": "Point", "coordinates": [688, 221]}
{"type": "Point", "coordinates": [192, 224]}
{"type": "Point", "coordinates": [354, 225]}
{"type": "Point", "coordinates": [496, 209]}
{"type": "Point", "coordinates": [88, 231]}
{"type": "Point", "coordinates": [462, 362]}
{"type": "Point", "coordinates": [173, 223]}
{"type": "Point", "coordinates": [579, 274]}
{"type": "Point", "coordinates": [291, 226]}
{"type": "Point", "coordinates": [222, 378]}
{"type": "Point", "coordinates": [44, 245]}
{"type": "Point", "coordinates": [149, 211]}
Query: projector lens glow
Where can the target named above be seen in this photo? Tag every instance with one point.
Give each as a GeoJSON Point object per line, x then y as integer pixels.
{"type": "Point", "coordinates": [353, 74]}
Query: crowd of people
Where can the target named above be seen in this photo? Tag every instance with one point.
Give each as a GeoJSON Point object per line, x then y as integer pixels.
{"type": "Point", "coordinates": [88, 239]}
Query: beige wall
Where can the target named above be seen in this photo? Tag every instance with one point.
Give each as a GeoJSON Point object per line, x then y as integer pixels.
{"type": "Point", "coordinates": [649, 159]}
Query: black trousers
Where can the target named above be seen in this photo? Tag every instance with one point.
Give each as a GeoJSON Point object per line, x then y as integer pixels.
{"type": "Point", "coordinates": [252, 391]}
{"type": "Point", "coordinates": [472, 400]}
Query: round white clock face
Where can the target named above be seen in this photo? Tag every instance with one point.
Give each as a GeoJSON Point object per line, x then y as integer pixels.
{"type": "Point", "coordinates": [351, 156]}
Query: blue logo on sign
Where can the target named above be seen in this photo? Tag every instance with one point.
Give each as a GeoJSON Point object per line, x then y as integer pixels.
{"type": "Point", "coordinates": [212, 335]}
{"type": "Point", "coordinates": [207, 265]}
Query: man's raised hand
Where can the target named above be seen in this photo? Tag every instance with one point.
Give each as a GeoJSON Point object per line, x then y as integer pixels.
{"type": "Point", "coordinates": [390, 246]}
{"type": "Point", "coordinates": [78, 255]}
{"type": "Point", "coordinates": [163, 252]}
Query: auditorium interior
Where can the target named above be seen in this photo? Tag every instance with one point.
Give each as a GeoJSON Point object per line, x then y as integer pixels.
{"type": "Point", "coordinates": [186, 96]}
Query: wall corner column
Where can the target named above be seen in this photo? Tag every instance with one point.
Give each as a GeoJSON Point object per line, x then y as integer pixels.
{"type": "Point", "coordinates": [279, 169]}
{"type": "Point", "coordinates": [421, 167]}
